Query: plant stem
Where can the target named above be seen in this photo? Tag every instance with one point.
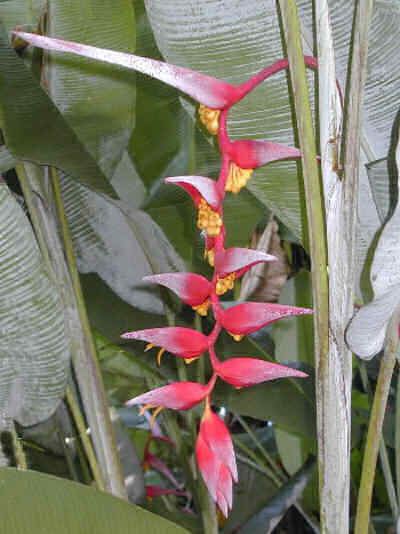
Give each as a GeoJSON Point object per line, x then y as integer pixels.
{"type": "Point", "coordinates": [383, 454]}
{"type": "Point", "coordinates": [19, 452]}
{"type": "Point", "coordinates": [374, 434]}
{"type": "Point", "coordinates": [87, 444]}
{"type": "Point", "coordinates": [88, 370]}
{"type": "Point", "coordinates": [316, 221]}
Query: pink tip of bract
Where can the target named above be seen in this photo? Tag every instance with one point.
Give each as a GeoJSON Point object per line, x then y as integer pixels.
{"type": "Point", "coordinates": [183, 342]}
{"type": "Point", "coordinates": [248, 317]}
{"type": "Point", "coordinates": [244, 372]}
{"type": "Point", "coordinates": [176, 396]}
{"type": "Point", "coordinates": [192, 289]}
{"type": "Point", "coordinates": [198, 187]}
{"type": "Point", "coordinates": [253, 154]}
{"type": "Point", "coordinates": [239, 260]}
{"type": "Point", "coordinates": [205, 89]}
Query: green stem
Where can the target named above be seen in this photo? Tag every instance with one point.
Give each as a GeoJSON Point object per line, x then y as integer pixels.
{"type": "Point", "coordinates": [88, 370]}
{"type": "Point", "coordinates": [383, 454]}
{"type": "Point", "coordinates": [315, 214]}
{"type": "Point", "coordinates": [374, 434]}
{"type": "Point", "coordinates": [87, 444]}
{"type": "Point", "coordinates": [19, 452]}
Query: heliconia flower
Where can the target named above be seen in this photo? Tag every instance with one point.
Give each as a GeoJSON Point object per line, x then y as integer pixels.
{"type": "Point", "coordinates": [158, 491]}
{"type": "Point", "coordinates": [244, 372]}
{"type": "Point", "coordinates": [216, 459]}
{"type": "Point", "coordinates": [183, 342]}
{"type": "Point", "coordinates": [175, 396]}
{"type": "Point", "coordinates": [207, 198]}
{"type": "Point", "coordinates": [193, 289]}
{"type": "Point", "coordinates": [232, 263]}
{"type": "Point", "coordinates": [248, 317]}
{"type": "Point", "coordinates": [248, 155]}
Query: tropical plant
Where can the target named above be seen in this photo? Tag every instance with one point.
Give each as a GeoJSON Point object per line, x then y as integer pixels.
{"type": "Point", "coordinates": [298, 113]}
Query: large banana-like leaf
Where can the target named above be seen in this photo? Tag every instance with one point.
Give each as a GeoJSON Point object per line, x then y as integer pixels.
{"type": "Point", "coordinates": [34, 352]}
{"type": "Point", "coordinates": [21, 12]}
{"type": "Point", "coordinates": [367, 331]}
{"type": "Point", "coordinates": [33, 127]}
{"type": "Point", "coordinates": [96, 100]}
{"type": "Point", "coordinates": [119, 243]}
{"type": "Point", "coordinates": [42, 504]}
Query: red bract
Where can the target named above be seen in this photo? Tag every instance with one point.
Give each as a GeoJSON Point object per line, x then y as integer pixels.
{"type": "Point", "coordinates": [199, 187]}
{"type": "Point", "coordinates": [205, 89]}
{"type": "Point", "coordinates": [239, 260]}
{"type": "Point", "coordinates": [244, 372]}
{"type": "Point", "coordinates": [216, 435]}
{"type": "Point", "coordinates": [207, 199]}
{"type": "Point", "coordinates": [176, 396]}
{"type": "Point", "coordinates": [249, 317]}
{"type": "Point", "coordinates": [183, 342]}
{"type": "Point", "coordinates": [193, 289]}
{"type": "Point", "coordinates": [216, 459]}
{"type": "Point", "coordinates": [253, 154]}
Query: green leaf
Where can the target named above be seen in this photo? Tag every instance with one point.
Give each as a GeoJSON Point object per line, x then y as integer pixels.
{"type": "Point", "coordinates": [21, 12]}
{"type": "Point", "coordinates": [7, 161]}
{"type": "Point", "coordinates": [35, 130]}
{"type": "Point", "coordinates": [97, 100]}
{"type": "Point", "coordinates": [265, 521]}
{"type": "Point", "coordinates": [367, 330]}
{"type": "Point", "coordinates": [120, 244]}
{"type": "Point", "coordinates": [251, 494]}
{"type": "Point", "coordinates": [264, 402]}
{"type": "Point", "coordinates": [50, 504]}
{"type": "Point", "coordinates": [34, 351]}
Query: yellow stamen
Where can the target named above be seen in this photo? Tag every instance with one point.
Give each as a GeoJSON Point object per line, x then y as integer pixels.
{"type": "Point", "coordinates": [159, 356]}
{"type": "Point", "coordinates": [157, 410]}
{"type": "Point", "coordinates": [190, 360]}
{"type": "Point", "coordinates": [236, 337]}
{"type": "Point", "coordinates": [149, 346]}
{"type": "Point", "coordinates": [237, 178]}
{"type": "Point", "coordinates": [225, 284]}
{"type": "Point", "coordinates": [202, 309]}
{"type": "Point", "coordinates": [154, 415]}
{"type": "Point", "coordinates": [146, 407]}
{"type": "Point", "coordinates": [209, 255]}
{"type": "Point", "coordinates": [208, 219]}
{"type": "Point", "coordinates": [210, 118]}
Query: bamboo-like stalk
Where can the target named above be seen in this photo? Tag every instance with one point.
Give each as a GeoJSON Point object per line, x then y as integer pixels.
{"type": "Point", "coordinates": [31, 179]}
{"type": "Point", "coordinates": [315, 220]}
{"type": "Point", "coordinates": [374, 434]}
{"type": "Point", "coordinates": [88, 370]}
{"type": "Point", "coordinates": [87, 444]}
{"type": "Point", "coordinates": [383, 453]}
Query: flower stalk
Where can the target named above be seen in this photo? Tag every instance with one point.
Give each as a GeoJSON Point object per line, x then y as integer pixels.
{"type": "Point", "coordinates": [374, 434]}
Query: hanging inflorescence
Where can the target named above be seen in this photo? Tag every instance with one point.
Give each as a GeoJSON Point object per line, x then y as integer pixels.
{"type": "Point", "coordinates": [214, 450]}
